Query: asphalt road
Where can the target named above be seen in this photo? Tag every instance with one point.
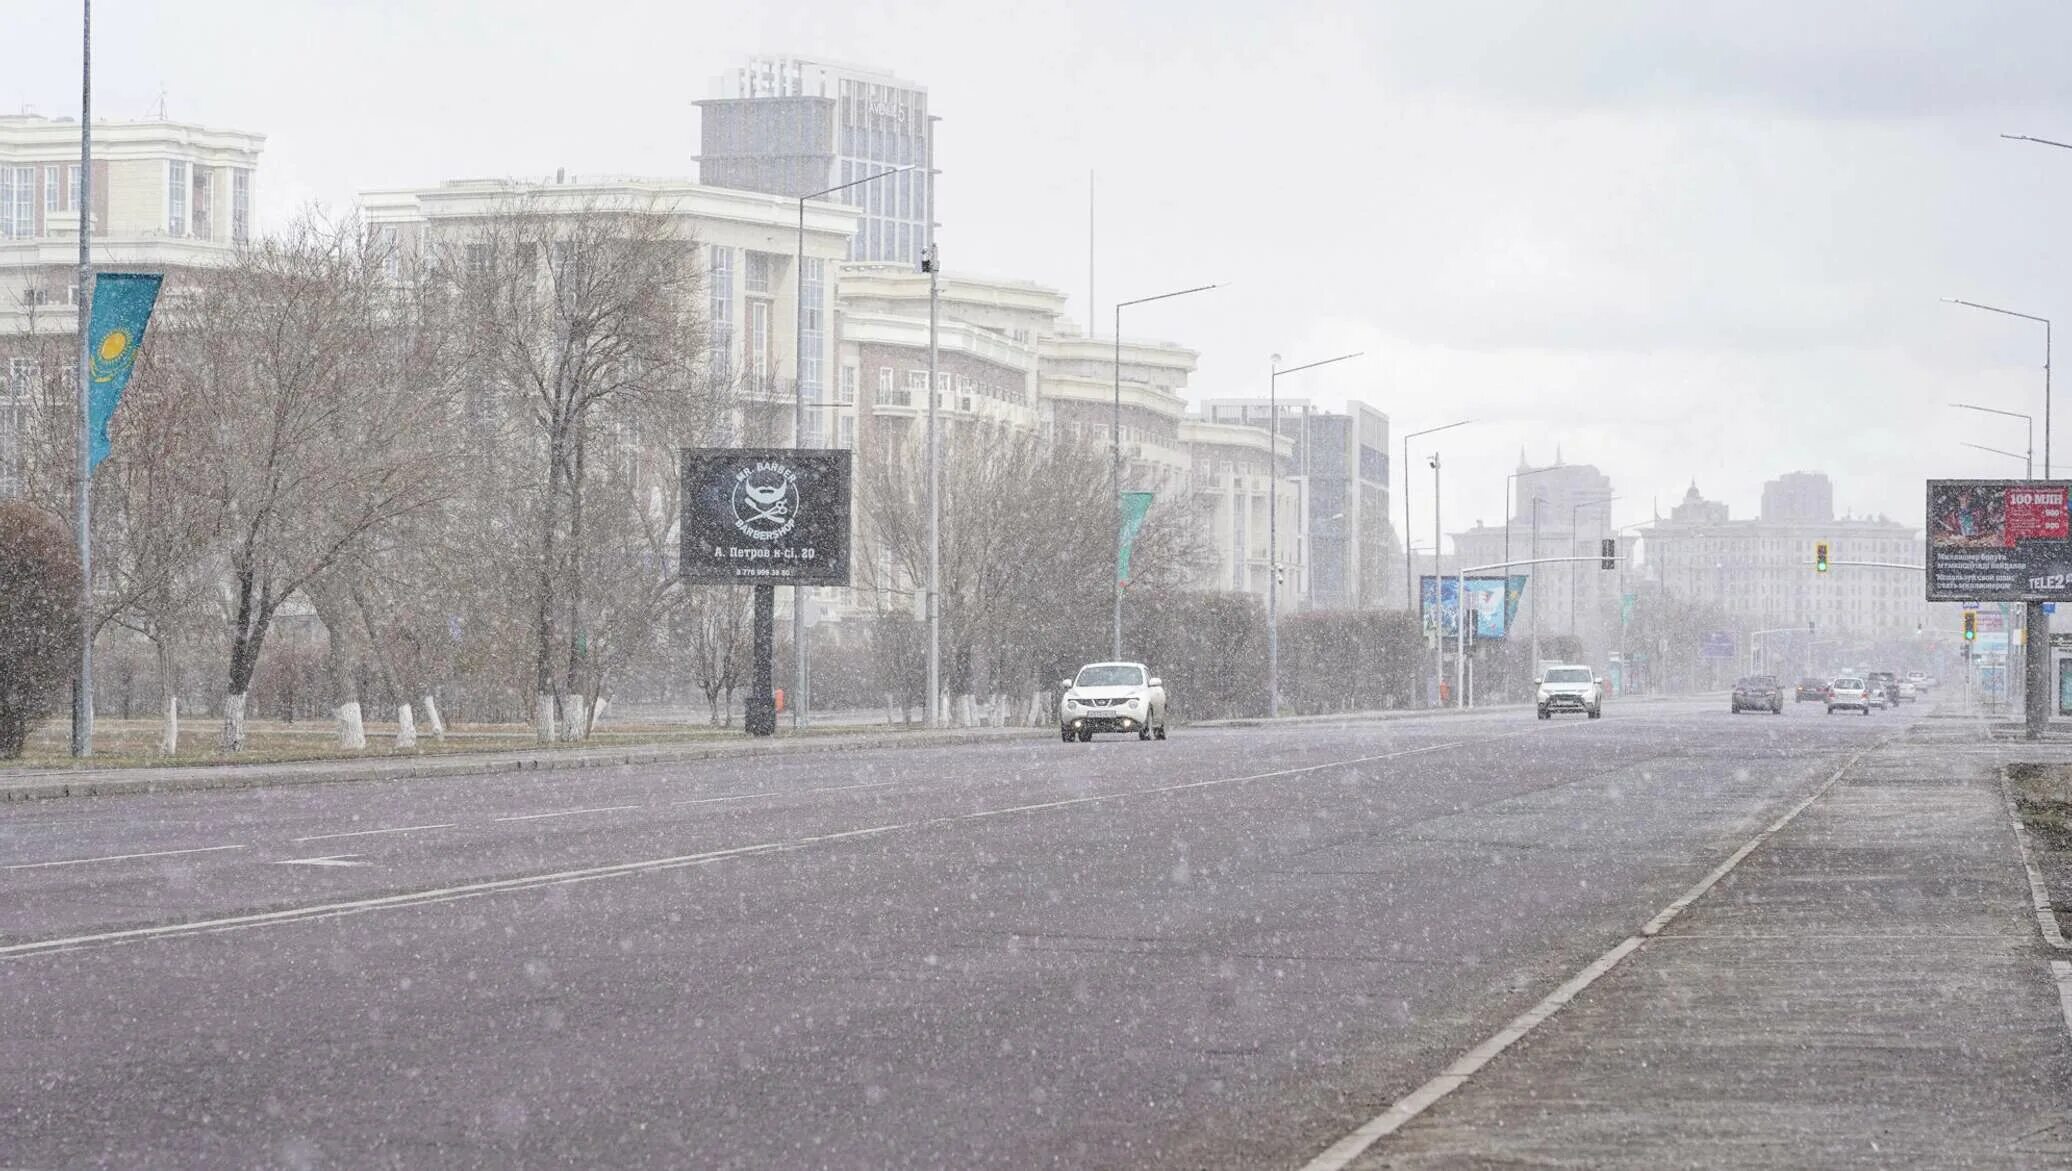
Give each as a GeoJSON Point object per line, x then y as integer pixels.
{"type": "Point", "coordinates": [1223, 950]}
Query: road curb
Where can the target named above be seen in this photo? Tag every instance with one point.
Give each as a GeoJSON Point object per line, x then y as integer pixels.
{"type": "Point", "coordinates": [2039, 894]}
{"type": "Point", "coordinates": [261, 776]}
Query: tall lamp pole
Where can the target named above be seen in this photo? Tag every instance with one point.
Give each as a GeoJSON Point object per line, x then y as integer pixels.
{"type": "Point", "coordinates": [798, 420]}
{"type": "Point", "coordinates": [1115, 443]}
{"type": "Point", "coordinates": [1273, 509]}
{"type": "Point", "coordinates": [83, 688]}
{"type": "Point", "coordinates": [2035, 620]}
{"type": "Point", "coordinates": [1410, 600]}
{"type": "Point", "coordinates": [1604, 502]}
{"type": "Point", "coordinates": [2030, 458]}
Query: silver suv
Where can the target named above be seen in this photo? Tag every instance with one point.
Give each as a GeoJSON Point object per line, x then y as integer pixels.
{"type": "Point", "coordinates": [1848, 693]}
{"type": "Point", "coordinates": [1569, 689]}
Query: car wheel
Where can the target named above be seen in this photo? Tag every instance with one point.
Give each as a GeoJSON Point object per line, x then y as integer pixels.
{"type": "Point", "coordinates": [1065, 734]}
{"type": "Point", "coordinates": [1144, 730]}
{"type": "Point", "coordinates": [1830, 709]}
{"type": "Point", "coordinates": [1597, 713]}
{"type": "Point", "coordinates": [1086, 735]}
{"type": "Point", "coordinates": [1866, 711]}
{"type": "Point", "coordinates": [1161, 733]}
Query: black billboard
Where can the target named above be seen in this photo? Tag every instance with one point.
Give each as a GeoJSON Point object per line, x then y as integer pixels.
{"type": "Point", "coordinates": [1999, 541]}
{"type": "Point", "coordinates": [766, 516]}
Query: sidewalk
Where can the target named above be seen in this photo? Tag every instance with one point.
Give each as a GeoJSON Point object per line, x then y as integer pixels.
{"type": "Point", "coordinates": [1867, 989]}
{"type": "Point", "coordinates": [86, 782]}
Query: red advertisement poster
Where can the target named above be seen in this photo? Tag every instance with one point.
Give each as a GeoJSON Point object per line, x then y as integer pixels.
{"type": "Point", "coordinates": [2036, 514]}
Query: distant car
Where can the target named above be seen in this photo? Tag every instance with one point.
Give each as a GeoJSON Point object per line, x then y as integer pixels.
{"type": "Point", "coordinates": [1920, 679]}
{"type": "Point", "coordinates": [1112, 697]}
{"type": "Point", "coordinates": [1884, 688]}
{"type": "Point", "coordinates": [1848, 694]}
{"type": "Point", "coordinates": [1810, 688]}
{"type": "Point", "coordinates": [1758, 693]}
{"type": "Point", "coordinates": [1909, 691]}
{"type": "Point", "coordinates": [1569, 689]}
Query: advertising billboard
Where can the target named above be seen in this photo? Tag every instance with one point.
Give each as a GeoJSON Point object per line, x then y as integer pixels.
{"type": "Point", "coordinates": [765, 516]}
{"type": "Point", "coordinates": [1999, 541]}
{"type": "Point", "coordinates": [1488, 598]}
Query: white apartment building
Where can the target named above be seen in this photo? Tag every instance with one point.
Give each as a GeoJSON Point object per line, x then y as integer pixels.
{"type": "Point", "coordinates": [1761, 570]}
{"type": "Point", "coordinates": [166, 196]}
{"type": "Point", "coordinates": [1232, 470]}
{"type": "Point", "coordinates": [750, 241]}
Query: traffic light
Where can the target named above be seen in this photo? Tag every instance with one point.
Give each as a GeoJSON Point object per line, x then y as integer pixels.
{"type": "Point", "coordinates": [1970, 626]}
{"type": "Point", "coordinates": [1608, 553]}
{"type": "Point", "coordinates": [1820, 556]}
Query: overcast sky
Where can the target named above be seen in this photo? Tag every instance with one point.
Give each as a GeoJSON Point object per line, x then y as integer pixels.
{"type": "Point", "coordinates": [1680, 241]}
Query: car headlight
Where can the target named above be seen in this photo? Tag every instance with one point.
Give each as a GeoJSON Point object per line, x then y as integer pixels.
{"type": "Point", "coordinates": [1071, 702]}
{"type": "Point", "coordinates": [1134, 702]}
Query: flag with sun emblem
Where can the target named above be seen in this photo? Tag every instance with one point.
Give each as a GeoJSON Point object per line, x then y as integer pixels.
{"type": "Point", "coordinates": [121, 309]}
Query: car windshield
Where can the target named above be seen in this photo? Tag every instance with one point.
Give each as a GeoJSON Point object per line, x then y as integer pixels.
{"type": "Point", "coordinates": [1110, 675]}
{"type": "Point", "coordinates": [1848, 684]}
{"type": "Point", "coordinates": [1569, 675]}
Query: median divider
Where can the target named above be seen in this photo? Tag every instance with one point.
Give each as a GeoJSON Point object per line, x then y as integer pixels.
{"type": "Point", "coordinates": [91, 782]}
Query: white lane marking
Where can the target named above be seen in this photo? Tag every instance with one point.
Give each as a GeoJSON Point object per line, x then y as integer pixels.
{"type": "Point", "coordinates": [570, 812]}
{"type": "Point", "coordinates": [330, 860]}
{"type": "Point", "coordinates": [2061, 970]}
{"type": "Point", "coordinates": [361, 833]}
{"type": "Point", "coordinates": [1341, 1154]}
{"type": "Point", "coordinates": [2039, 895]}
{"type": "Point", "coordinates": [589, 873]}
{"type": "Point", "coordinates": [117, 858]}
{"type": "Point", "coordinates": [784, 793]}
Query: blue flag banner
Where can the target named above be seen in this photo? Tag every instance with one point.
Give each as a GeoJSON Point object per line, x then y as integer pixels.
{"type": "Point", "coordinates": [1134, 506]}
{"type": "Point", "coordinates": [121, 309]}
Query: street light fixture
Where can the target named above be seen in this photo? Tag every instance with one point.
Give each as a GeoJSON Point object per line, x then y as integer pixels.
{"type": "Point", "coordinates": [1273, 559]}
{"type": "Point", "coordinates": [798, 422]}
{"type": "Point", "coordinates": [2028, 419]}
{"type": "Point", "coordinates": [1409, 567]}
{"type": "Point", "coordinates": [2045, 322]}
{"type": "Point", "coordinates": [1999, 451]}
{"type": "Point", "coordinates": [1115, 441]}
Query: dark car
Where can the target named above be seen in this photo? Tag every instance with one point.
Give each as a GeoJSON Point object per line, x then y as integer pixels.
{"type": "Point", "coordinates": [1811, 689]}
{"type": "Point", "coordinates": [1886, 684]}
{"type": "Point", "coordinates": [1758, 693]}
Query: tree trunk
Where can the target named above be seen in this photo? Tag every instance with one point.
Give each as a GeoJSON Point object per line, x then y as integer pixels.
{"type": "Point", "coordinates": [352, 732]}
{"type": "Point", "coordinates": [543, 717]}
{"type": "Point", "coordinates": [573, 718]}
{"type": "Point", "coordinates": [543, 617]}
{"type": "Point", "coordinates": [431, 716]}
{"type": "Point", "coordinates": [169, 742]}
{"type": "Point", "coordinates": [406, 730]}
{"type": "Point", "coordinates": [169, 739]}
{"type": "Point", "coordinates": [234, 722]}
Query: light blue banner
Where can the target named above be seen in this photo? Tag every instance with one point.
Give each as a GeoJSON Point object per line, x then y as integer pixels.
{"type": "Point", "coordinates": [1134, 506]}
{"type": "Point", "coordinates": [121, 309]}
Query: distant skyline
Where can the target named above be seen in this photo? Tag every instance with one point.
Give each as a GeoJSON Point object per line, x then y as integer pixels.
{"type": "Point", "coordinates": [1682, 243]}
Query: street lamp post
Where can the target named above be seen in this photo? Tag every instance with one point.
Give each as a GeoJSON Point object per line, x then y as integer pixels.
{"type": "Point", "coordinates": [1115, 444]}
{"type": "Point", "coordinates": [1410, 598]}
{"type": "Point", "coordinates": [83, 687]}
{"type": "Point", "coordinates": [798, 422]}
{"type": "Point", "coordinates": [2035, 620]}
{"type": "Point", "coordinates": [1604, 503]}
{"type": "Point", "coordinates": [1273, 560]}
{"type": "Point", "coordinates": [2028, 474]}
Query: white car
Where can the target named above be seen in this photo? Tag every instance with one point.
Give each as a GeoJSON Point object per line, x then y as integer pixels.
{"type": "Point", "coordinates": [1570, 689]}
{"type": "Point", "coordinates": [1848, 693]}
{"type": "Point", "coordinates": [1909, 691]}
{"type": "Point", "coordinates": [1112, 697]}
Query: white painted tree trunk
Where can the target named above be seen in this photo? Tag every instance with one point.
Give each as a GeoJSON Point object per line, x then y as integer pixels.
{"type": "Point", "coordinates": [352, 732]}
{"type": "Point", "coordinates": [432, 720]}
{"type": "Point", "coordinates": [575, 721]}
{"type": "Point", "coordinates": [169, 743]}
{"type": "Point", "coordinates": [406, 730]}
{"type": "Point", "coordinates": [597, 707]}
{"type": "Point", "coordinates": [543, 718]}
{"type": "Point", "coordinates": [942, 710]}
{"type": "Point", "coordinates": [893, 715]}
{"type": "Point", "coordinates": [234, 722]}
{"type": "Point", "coordinates": [967, 710]}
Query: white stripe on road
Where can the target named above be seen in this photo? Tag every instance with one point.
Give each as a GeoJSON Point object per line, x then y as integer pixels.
{"type": "Point", "coordinates": [331, 860]}
{"type": "Point", "coordinates": [1341, 1154]}
{"type": "Point", "coordinates": [588, 873]}
{"type": "Point", "coordinates": [117, 857]}
{"type": "Point", "coordinates": [571, 812]}
{"type": "Point", "coordinates": [361, 833]}
{"type": "Point", "coordinates": [784, 793]}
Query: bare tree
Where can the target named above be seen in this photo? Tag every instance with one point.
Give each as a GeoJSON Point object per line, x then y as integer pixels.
{"type": "Point", "coordinates": [590, 322]}
{"type": "Point", "coordinates": [323, 396]}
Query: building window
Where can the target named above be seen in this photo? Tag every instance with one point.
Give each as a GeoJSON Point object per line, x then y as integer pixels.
{"type": "Point", "coordinates": [53, 199]}
{"type": "Point", "coordinates": [240, 206]}
{"type": "Point", "coordinates": [720, 290]}
{"type": "Point", "coordinates": [175, 198]}
{"type": "Point", "coordinates": [11, 418]}
{"type": "Point", "coordinates": [885, 384]}
{"type": "Point", "coordinates": [760, 265]}
{"type": "Point", "coordinates": [845, 393]}
{"type": "Point", "coordinates": [759, 339]}
{"type": "Point", "coordinates": [813, 332]}
{"type": "Point", "coordinates": [846, 432]}
{"type": "Point", "coordinates": [17, 203]}
{"type": "Point", "coordinates": [916, 389]}
{"type": "Point", "coordinates": [21, 378]}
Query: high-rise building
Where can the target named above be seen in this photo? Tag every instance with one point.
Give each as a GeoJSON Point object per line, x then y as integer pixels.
{"type": "Point", "coordinates": [792, 126]}
{"type": "Point", "coordinates": [1799, 496]}
{"type": "Point", "coordinates": [167, 196]}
